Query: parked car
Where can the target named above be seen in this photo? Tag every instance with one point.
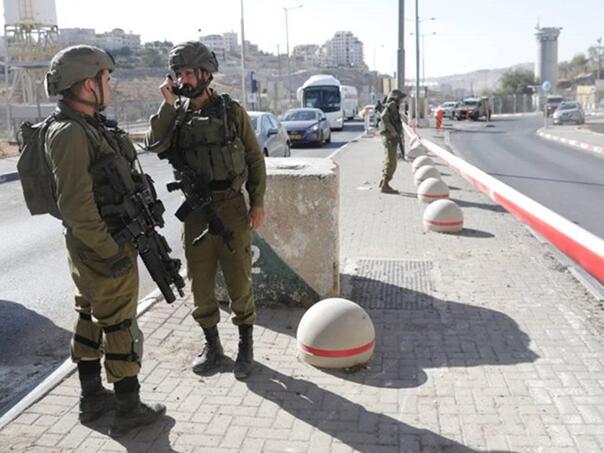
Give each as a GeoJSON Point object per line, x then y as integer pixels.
{"type": "Point", "coordinates": [552, 103]}
{"type": "Point", "coordinates": [472, 108]}
{"type": "Point", "coordinates": [271, 135]}
{"type": "Point", "coordinates": [569, 112]}
{"type": "Point", "coordinates": [307, 125]}
{"type": "Point", "coordinates": [448, 108]}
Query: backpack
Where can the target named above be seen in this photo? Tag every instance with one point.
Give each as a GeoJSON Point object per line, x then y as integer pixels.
{"type": "Point", "coordinates": [37, 180]}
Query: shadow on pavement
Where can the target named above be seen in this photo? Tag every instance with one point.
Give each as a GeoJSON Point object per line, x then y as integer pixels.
{"type": "Point", "coordinates": [472, 204]}
{"type": "Point", "coordinates": [32, 347]}
{"type": "Point", "coordinates": [346, 421]}
{"type": "Point", "coordinates": [416, 331]}
{"type": "Point", "coordinates": [472, 233]}
{"type": "Point", "coordinates": [153, 437]}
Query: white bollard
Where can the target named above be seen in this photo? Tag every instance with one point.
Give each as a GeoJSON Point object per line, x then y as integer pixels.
{"type": "Point", "coordinates": [336, 333]}
{"type": "Point", "coordinates": [420, 162]}
{"type": "Point", "coordinates": [415, 151]}
{"type": "Point", "coordinates": [443, 216]}
{"type": "Point", "coordinates": [432, 189]}
{"type": "Point", "coordinates": [425, 172]}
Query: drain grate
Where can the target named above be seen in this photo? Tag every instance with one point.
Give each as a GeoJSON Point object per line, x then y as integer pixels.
{"type": "Point", "coordinates": [391, 284]}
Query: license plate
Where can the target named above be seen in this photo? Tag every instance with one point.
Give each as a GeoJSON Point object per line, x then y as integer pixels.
{"type": "Point", "coordinates": [296, 136]}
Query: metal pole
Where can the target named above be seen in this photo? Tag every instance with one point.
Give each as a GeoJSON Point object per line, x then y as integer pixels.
{"type": "Point", "coordinates": [277, 94]}
{"type": "Point", "coordinates": [243, 88]}
{"type": "Point", "coordinates": [400, 73]}
{"type": "Point", "coordinates": [599, 58]}
{"type": "Point", "coordinates": [289, 65]}
{"type": "Point", "coordinates": [6, 82]}
{"type": "Point", "coordinates": [423, 60]}
{"type": "Point", "coordinates": [417, 100]}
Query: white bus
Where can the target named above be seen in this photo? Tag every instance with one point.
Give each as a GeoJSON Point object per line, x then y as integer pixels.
{"type": "Point", "coordinates": [350, 101]}
{"type": "Point", "coordinates": [323, 92]}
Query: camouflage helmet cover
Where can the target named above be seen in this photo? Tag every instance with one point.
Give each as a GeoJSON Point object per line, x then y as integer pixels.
{"type": "Point", "coordinates": [74, 64]}
{"type": "Point", "coordinates": [192, 54]}
{"type": "Point", "coordinates": [396, 95]}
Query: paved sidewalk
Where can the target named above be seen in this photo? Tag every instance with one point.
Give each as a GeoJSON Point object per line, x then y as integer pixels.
{"type": "Point", "coordinates": [8, 169]}
{"type": "Point", "coordinates": [484, 342]}
{"type": "Point", "coordinates": [580, 137]}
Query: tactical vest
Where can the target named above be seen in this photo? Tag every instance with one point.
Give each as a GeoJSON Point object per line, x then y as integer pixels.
{"type": "Point", "coordinates": [113, 143]}
{"type": "Point", "coordinates": [210, 140]}
{"type": "Point", "coordinates": [395, 118]}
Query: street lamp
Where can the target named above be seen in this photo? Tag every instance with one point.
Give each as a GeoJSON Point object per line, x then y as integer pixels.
{"type": "Point", "coordinates": [423, 81]}
{"type": "Point", "coordinates": [417, 35]}
{"type": "Point", "coordinates": [243, 88]}
{"type": "Point", "coordinates": [375, 48]}
{"type": "Point", "coordinates": [289, 66]}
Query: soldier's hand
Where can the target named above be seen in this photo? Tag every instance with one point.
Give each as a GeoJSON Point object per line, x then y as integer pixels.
{"type": "Point", "coordinates": [120, 265]}
{"type": "Point", "coordinates": [256, 216]}
{"type": "Point", "coordinates": [166, 91]}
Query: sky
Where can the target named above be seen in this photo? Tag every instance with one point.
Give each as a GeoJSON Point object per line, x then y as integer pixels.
{"type": "Point", "coordinates": [469, 34]}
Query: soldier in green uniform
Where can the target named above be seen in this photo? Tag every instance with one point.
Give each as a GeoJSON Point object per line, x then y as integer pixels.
{"type": "Point", "coordinates": [391, 130]}
{"type": "Point", "coordinates": [105, 273]}
{"type": "Point", "coordinates": [214, 135]}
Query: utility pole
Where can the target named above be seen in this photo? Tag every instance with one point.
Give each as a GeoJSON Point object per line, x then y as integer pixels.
{"type": "Point", "coordinates": [278, 102]}
{"type": "Point", "coordinates": [243, 88]}
{"type": "Point", "coordinates": [599, 41]}
{"type": "Point", "coordinates": [400, 72]}
{"type": "Point", "coordinates": [289, 64]}
{"type": "Point", "coordinates": [417, 100]}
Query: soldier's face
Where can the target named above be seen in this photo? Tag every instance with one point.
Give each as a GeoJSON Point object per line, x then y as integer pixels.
{"type": "Point", "coordinates": [188, 77]}
{"type": "Point", "coordinates": [105, 78]}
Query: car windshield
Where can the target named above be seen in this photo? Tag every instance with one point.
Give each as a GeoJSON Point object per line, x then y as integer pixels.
{"type": "Point", "coordinates": [567, 106]}
{"type": "Point", "coordinates": [326, 98]}
{"type": "Point", "coordinates": [300, 115]}
{"type": "Point", "coordinates": [554, 100]}
{"type": "Point", "coordinates": [254, 120]}
{"type": "Point", "coordinates": [470, 103]}
{"type": "Point", "coordinates": [449, 104]}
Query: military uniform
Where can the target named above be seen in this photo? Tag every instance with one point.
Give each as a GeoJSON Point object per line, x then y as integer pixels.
{"type": "Point", "coordinates": [102, 301]}
{"type": "Point", "coordinates": [199, 132]}
{"type": "Point", "coordinates": [391, 123]}
{"type": "Point", "coordinates": [78, 145]}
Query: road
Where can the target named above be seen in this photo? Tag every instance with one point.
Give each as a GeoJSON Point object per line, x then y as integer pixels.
{"type": "Point", "coordinates": [36, 303]}
{"type": "Point", "coordinates": [568, 181]}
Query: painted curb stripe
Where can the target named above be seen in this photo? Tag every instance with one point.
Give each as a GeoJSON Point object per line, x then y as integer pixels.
{"type": "Point", "coordinates": [583, 247]}
{"type": "Point", "coordinates": [336, 352]}
{"type": "Point", "coordinates": [573, 143]}
{"type": "Point", "coordinates": [436, 223]}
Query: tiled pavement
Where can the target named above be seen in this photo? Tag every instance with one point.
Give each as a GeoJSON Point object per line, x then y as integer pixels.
{"type": "Point", "coordinates": [484, 342]}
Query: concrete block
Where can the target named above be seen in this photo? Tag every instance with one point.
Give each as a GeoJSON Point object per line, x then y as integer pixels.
{"type": "Point", "coordinates": [296, 251]}
{"type": "Point", "coordinates": [420, 162]}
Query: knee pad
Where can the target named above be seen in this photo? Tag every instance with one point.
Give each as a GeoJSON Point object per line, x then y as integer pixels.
{"type": "Point", "coordinates": [87, 338]}
{"type": "Point", "coordinates": [122, 337]}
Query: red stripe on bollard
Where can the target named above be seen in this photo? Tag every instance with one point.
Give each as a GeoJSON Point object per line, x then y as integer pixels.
{"type": "Point", "coordinates": [336, 352]}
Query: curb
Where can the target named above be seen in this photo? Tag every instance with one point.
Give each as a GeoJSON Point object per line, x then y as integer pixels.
{"type": "Point", "coordinates": [66, 369]}
{"type": "Point", "coordinates": [573, 143]}
{"type": "Point", "coordinates": [341, 148]}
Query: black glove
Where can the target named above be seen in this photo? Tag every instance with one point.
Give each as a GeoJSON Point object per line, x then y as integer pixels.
{"type": "Point", "coordinates": [121, 265]}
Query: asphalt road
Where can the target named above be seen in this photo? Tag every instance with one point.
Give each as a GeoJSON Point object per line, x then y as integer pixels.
{"type": "Point", "coordinates": [566, 180]}
{"type": "Point", "coordinates": [36, 303]}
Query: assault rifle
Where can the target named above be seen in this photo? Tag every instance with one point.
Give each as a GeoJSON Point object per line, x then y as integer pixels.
{"type": "Point", "coordinates": [141, 213]}
{"type": "Point", "coordinates": [399, 135]}
{"type": "Point", "coordinates": [198, 197]}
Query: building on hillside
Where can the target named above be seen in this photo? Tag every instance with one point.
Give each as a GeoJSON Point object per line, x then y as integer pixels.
{"type": "Point", "coordinates": [74, 36]}
{"type": "Point", "coordinates": [307, 53]}
{"type": "Point", "coordinates": [118, 39]}
{"type": "Point", "coordinates": [230, 41]}
{"type": "Point", "coordinates": [591, 97]}
{"type": "Point", "coordinates": [216, 44]}
{"type": "Point", "coordinates": [344, 50]}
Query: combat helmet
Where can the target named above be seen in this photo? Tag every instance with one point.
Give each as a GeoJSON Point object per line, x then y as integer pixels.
{"type": "Point", "coordinates": [396, 95]}
{"type": "Point", "coordinates": [74, 64]}
{"type": "Point", "coordinates": [193, 54]}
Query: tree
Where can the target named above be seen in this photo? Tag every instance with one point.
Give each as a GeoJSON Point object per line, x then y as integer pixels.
{"type": "Point", "coordinates": [152, 57]}
{"type": "Point", "coordinates": [579, 62]}
{"type": "Point", "coordinates": [517, 81]}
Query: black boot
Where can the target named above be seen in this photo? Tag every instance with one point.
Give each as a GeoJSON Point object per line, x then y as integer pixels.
{"type": "Point", "coordinates": [131, 411]}
{"type": "Point", "coordinates": [212, 353]}
{"type": "Point", "coordinates": [245, 356]}
{"type": "Point", "coordinates": [95, 400]}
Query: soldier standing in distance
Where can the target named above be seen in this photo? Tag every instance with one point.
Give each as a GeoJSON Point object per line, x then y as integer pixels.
{"type": "Point", "coordinates": [391, 129]}
{"type": "Point", "coordinates": [214, 135]}
{"type": "Point", "coordinates": [105, 273]}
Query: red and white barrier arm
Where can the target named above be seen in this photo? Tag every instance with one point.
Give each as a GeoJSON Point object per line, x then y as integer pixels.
{"type": "Point", "coordinates": [575, 242]}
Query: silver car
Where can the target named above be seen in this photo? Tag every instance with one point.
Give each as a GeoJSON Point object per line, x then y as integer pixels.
{"type": "Point", "coordinates": [307, 125]}
{"type": "Point", "coordinates": [569, 112]}
{"type": "Point", "coordinates": [270, 134]}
